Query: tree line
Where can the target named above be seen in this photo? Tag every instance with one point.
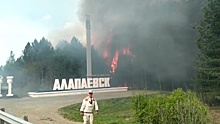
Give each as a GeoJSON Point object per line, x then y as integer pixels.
{"type": "Point", "coordinates": [41, 63]}
{"type": "Point", "coordinates": [172, 56]}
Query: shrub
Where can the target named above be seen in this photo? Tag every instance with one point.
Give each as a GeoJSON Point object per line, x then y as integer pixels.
{"type": "Point", "coordinates": [177, 108]}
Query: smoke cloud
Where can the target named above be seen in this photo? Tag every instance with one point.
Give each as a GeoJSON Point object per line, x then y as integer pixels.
{"type": "Point", "coordinates": [158, 32]}
{"type": "Point", "coordinates": [67, 32]}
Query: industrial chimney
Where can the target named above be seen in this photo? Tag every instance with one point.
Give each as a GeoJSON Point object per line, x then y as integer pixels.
{"type": "Point", "coordinates": [88, 49]}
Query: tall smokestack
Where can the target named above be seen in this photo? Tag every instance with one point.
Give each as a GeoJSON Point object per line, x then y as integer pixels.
{"type": "Point", "coordinates": [88, 49]}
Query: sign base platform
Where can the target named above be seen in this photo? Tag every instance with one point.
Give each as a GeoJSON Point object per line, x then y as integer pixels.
{"type": "Point", "coordinates": [75, 92]}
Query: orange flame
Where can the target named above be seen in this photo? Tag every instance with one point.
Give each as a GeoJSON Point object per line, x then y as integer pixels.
{"type": "Point", "coordinates": [114, 62]}
{"type": "Point", "coordinates": [114, 65]}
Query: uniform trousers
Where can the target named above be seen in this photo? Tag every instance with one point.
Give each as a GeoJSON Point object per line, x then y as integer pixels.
{"type": "Point", "coordinates": [88, 118]}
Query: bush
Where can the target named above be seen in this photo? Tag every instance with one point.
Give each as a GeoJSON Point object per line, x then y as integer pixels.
{"type": "Point", "coordinates": [177, 108]}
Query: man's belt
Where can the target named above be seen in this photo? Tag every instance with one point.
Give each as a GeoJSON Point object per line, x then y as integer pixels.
{"type": "Point", "coordinates": [88, 112]}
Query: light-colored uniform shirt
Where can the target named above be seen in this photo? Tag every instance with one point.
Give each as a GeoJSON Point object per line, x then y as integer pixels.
{"type": "Point", "coordinates": [88, 105]}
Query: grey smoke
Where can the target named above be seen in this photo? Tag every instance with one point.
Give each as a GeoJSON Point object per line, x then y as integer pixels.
{"type": "Point", "coordinates": [158, 32]}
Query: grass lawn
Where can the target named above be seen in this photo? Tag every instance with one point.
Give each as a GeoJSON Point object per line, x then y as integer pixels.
{"type": "Point", "coordinates": [116, 111]}
{"type": "Point", "coordinates": [111, 111]}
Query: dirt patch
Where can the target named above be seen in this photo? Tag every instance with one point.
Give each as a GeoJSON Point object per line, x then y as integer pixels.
{"type": "Point", "coordinates": [215, 112]}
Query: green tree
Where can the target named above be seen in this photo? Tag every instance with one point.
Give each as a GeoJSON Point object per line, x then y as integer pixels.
{"type": "Point", "coordinates": [36, 62]}
{"type": "Point", "coordinates": [70, 59]}
{"type": "Point", "coordinates": [9, 68]}
{"type": "Point", "coordinates": [207, 79]}
{"type": "Point", "coordinates": [28, 54]}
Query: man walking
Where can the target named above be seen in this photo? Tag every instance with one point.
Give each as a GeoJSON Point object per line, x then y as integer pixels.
{"type": "Point", "coordinates": [87, 107]}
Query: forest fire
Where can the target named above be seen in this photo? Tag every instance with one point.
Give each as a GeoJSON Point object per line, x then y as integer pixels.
{"type": "Point", "coordinates": [111, 55]}
{"type": "Point", "coordinates": [114, 64]}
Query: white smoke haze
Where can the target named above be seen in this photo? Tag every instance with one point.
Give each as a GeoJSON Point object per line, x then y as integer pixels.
{"type": "Point", "coordinates": [67, 32]}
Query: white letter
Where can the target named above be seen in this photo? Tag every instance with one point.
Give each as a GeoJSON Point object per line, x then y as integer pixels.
{"type": "Point", "coordinates": [56, 85]}
{"type": "Point", "coordinates": [84, 84]}
{"type": "Point", "coordinates": [101, 82]}
{"type": "Point", "coordinates": [1, 78]}
{"type": "Point", "coordinates": [77, 83]}
{"type": "Point", "coordinates": [107, 82]}
{"type": "Point", "coordinates": [63, 84]}
{"type": "Point", "coordinates": [71, 84]}
{"type": "Point", "coordinates": [95, 82]}
{"type": "Point", "coordinates": [89, 82]}
{"type": "Point", "coordinates": [9, 81]}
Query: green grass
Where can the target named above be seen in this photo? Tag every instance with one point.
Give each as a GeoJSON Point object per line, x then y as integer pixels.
{"type": "Point", "coordinates": [111, 111]}
{"type": "Point", "coordinates": [116, 111]}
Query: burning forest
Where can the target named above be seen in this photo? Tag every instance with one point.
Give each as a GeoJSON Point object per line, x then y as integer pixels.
{"type": "Point", "coordinates": [141, 44]}
{"type": "Point", "coordinates": [145, 43]}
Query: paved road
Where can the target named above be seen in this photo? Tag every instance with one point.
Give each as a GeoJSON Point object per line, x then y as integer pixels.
{"type": "Point", "coordinates": [45, 110]}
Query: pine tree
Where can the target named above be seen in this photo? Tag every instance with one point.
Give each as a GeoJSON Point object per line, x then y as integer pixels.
{"type": "Point", "coordinates": [207, 79]}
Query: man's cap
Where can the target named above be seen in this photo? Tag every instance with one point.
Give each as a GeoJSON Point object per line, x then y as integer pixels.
{"type": "Point", "coordinates": [90, 91]}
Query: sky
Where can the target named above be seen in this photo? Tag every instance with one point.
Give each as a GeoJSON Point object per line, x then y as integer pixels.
{"type": "Point", "coordinates": [22, 21]}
